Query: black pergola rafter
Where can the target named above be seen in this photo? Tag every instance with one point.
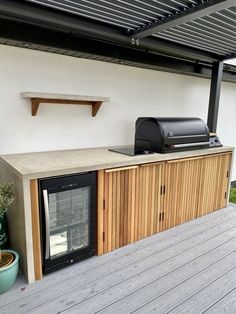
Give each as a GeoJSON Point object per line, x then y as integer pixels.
{"type": "Point", "coordinates": [31, 14]}
{"type": "Point", "coordinates": [198, 11]}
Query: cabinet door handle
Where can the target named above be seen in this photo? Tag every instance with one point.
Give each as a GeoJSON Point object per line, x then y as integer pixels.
{"type": "Point", "coordinates": [161, 216]}
{"type": "Point", "coordinates": [120, 169]}
{"type": "Point", "coordinates": [152, 164]}
{"type": "Point", "coordinates": [184, 159]}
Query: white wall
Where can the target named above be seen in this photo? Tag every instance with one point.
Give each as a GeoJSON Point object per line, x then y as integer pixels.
{"type": "Point", "coordinates": [134, 92]}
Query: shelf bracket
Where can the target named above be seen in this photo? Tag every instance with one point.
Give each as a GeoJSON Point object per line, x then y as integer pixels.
{"type": "Point", "coordinates": [95, 107]}
{"type": "Point", "coordinates": [34, 106]}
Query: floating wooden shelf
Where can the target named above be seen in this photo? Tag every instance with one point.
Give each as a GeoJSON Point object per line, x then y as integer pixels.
{"type": "Point", "coordinates": [50, 98]}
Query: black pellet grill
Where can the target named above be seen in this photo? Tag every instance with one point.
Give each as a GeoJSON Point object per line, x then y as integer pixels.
{"type": "Point", "coordinates": [165, 135]}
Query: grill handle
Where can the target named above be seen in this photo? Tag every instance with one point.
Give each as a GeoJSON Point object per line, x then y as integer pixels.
{"type": "Point", "coordinates": [190, 145]}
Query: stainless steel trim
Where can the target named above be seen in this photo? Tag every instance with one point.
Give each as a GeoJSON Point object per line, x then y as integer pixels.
{"type": "Point", "coordinates": [47, 235]}
{"type": "Point", "coordinates": [190, 144]}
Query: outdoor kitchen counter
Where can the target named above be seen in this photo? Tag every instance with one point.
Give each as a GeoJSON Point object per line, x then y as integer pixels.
{"type": "Point", "coordinates": [23, 170]}
{"type": "Point", "coordinates": [46, 164]}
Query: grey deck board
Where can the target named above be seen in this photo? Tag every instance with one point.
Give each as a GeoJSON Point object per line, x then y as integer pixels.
{"type": "Point", "coordinates": [155, 282]}
{"type": "Point", "coordinates": [210, 295]}
{"type": "Point", "coordinates": [143, 276]}
{"type": "Point", "coordinates": [122, 255]}
{"type": "Point", "coordinates": [143, 270]}
{"type": "Point", "coordinates": [227, 304]}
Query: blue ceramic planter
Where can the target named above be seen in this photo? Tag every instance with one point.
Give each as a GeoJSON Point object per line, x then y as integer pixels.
{"type": "Point", "coordinates": [8, 274]}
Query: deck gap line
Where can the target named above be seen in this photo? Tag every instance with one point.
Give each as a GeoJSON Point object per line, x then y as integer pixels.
{"type": "Point", "coordinates": [155, 279]}
{"type": "Point", "coordinates": [218, 300]}
{"type": "Point", "coordinates": [153, 282]}
{"type": "Point", "coordinates": [199, 243]}
{"type": "Point", "coordinates": [204, 289]}
{"type": "Point", "coordinates": [187, 280]}
{"type": "Point", "coordinates": [173, 286]}
{"type": "Point", "coordinates": [195, 293]}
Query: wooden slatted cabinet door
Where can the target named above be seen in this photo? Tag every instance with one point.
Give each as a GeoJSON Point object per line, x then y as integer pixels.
{"type": "Point", "coordinates": [119, 207]}
{"type": "Point", "coordinates": [150, 200]}
{"type": "Point", "coordinates": [182, 183]}
{"type": "Point", "coordinates": [214, 183]}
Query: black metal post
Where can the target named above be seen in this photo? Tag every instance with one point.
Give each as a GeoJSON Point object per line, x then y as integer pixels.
{"type": "Point", "coordinates": [216, 78]}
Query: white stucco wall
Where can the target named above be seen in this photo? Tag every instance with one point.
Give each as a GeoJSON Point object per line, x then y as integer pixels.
{"type": "Point", "coordinates": [134, 92]}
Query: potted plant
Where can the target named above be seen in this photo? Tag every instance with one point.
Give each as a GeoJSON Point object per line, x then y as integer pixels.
{"type": "Point", "coordinates": [7, 196]}
{"type": "Point", "coordinates": [9, 259]}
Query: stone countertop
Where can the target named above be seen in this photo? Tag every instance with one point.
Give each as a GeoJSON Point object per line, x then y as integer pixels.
{"type": "Point", "coordinates": [52, 163]}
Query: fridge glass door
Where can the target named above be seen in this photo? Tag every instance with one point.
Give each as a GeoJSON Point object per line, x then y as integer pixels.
{"type": "Point", "coordinates": [68, 221]}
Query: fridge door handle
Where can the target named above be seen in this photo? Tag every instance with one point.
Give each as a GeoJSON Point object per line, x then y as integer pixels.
{"type": "Point", "coordinates": [46, 211]}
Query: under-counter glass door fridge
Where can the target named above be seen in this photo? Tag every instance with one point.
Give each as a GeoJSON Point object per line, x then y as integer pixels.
{"type": "Point", "coordinates": [68, 219]}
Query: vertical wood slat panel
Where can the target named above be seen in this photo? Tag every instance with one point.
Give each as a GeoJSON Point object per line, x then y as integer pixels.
{"type": "Point", "coordinates": [227, 169]}
{"type": "Point", "coordinates": [133, 204]}
{"type": "Point", "coordinates": [122, 204]}
{"type": "Point", "coordinates": [133, 195]}
{"type": "Point", "coordinates": [100, 218]}
{"type": "Point", "coordinates": [36, 229]}
{"type": "Point", "coordinates": [126, 207]}
{"type": "Point", "coordinates": [150, 191]}
{"type": "Point", "coordinates": [153, 182]}
{"type": "Point", "coordinates": [214, 183]}
{"type": "Point", "coordinates": [120, 195]}
{"type": "Point", "coordinates": [162, 198]}
{"type": "Point", "coordinates": [194, 187]}
{"type": "Point", "coordinates": [141, 199]}
{"type": "Point", "coordinates": [109, 214]}
{"type": "Point", "coordinates": [182, 181]}
{"type": "Point", "coordinates": [105, 213]}
{"type": "Point", "coordinates": [163, 201]}
{"type": "Point", "coordinates": [136, 205]}
{"type": "Point", "coordinates": [118, 208]}
{"type": "Point", "coordinates": [114, 210]}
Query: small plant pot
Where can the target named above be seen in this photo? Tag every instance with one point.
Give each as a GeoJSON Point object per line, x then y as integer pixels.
{"type": "Point", "coordinates": [8, 273]}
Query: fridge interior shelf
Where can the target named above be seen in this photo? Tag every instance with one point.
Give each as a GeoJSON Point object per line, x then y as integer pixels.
{"type": "Point", "coordinates": [62, 228]}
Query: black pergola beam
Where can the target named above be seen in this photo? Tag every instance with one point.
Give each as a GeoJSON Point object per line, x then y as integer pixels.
{"type": "Point", "coordinates": [21, 35]}
{"type": "Point", "coordinates": [193, 13]}
{"type": "Point", "coordinates": [32, 14]}
{"type": "Point", "coordinates": [216, 78]}
{"type": "Point", "coordinates": [231, 56]}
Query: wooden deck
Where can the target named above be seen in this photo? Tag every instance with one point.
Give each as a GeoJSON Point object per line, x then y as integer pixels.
{"type": "Point", "coordinates": [188, 269]}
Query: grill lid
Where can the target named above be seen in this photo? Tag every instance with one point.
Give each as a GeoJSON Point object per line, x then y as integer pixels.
{"type": "Point", "coordinates": [170, 134]}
